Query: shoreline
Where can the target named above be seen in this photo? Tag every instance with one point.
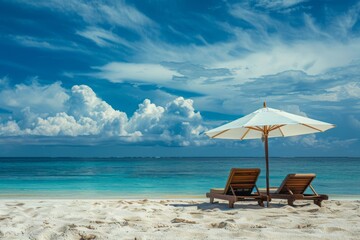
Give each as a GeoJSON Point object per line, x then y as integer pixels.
{"type": "Point", "coordinates": [140, 197]}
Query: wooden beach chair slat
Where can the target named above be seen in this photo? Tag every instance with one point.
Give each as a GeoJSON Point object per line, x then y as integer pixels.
{"type": "Point", "coordinates": [239, 187]}
{"type": "Point", "coordinates": [293, 188]}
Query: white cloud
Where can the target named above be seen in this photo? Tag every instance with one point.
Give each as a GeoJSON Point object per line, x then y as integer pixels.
{"type": "Point", "coordinates": [48, 44]}
{"type": "Point", "coordinates": [183, 120]}
{"type": "Point", "coordinates": [89, 110]}
{"type": "Point", "coordinates": [59, 125]}
{"type": "Point", "coordinates": [53, 111]}
{"type": "Point", "coordinates": [47, 98]}
{"type": "Point", "coordinates": [93, 16]}
{"type": "Point", "coordinates": [136, 72]}
{"type": "Point", "coordinates": [312, 28]}
{"type": "Point", "coordinates": [244, 87]}
{"type": "Point", "coordinates": [349, 90]}
{"type": "Point", "coordinates": [278, 4]}
{"type": "Point", "coordinates": [306, 141]}
{"type": "Point", "coordinates": [82, 113]}
{"type": "Point", "coordinates": [342, 25]}
{"type": "Point", "coordinates": [124, 15]}
{"type": "Point", "coordinates": [103, 38]}
{"type": "Point", "coordinates": [250, 53]}
{"type": "Point", "coordinates": [9, 128]}
{"type": "Point", "coordinates": [294, 109]}
{"type": "Point", "coordinates": [260, 21]}
{"type": "Point", "coordinates": [311, 141]}
{"type": "Point", "coordinates": [173, 75]}
{"type": "Point", "coordinates": [355, 122]}
{"type": "Point", "coordinates": [176, 124]}
{"type": "Point", "coordinates": [96, 12]}
{"type": "Point", "coordinates": [311, 57]}
{"type": "Point", "coordinates": [338, 93]}
{"type": "Point", "coordinates": [147, 118]}
{"type": "Point", "coordinates": [184, 108]}
{"type": "Point", "coordinates": [4, 82]}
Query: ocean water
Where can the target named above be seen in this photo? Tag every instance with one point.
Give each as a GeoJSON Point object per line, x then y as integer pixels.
{"type": "Point", "coordinates": [161, 177]}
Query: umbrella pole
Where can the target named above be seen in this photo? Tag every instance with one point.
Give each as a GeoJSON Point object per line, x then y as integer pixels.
{"type": "Point", "coordinates": [267, 170]}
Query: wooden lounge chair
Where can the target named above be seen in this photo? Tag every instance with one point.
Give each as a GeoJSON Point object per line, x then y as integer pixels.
{"type": "Point", "coordinates": [239, 187]}
{"type": "Point", "coordinates": [293, 188]}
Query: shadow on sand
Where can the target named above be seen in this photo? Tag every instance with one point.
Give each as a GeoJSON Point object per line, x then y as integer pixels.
{"type": "Point", "coordinates": [223, 206]}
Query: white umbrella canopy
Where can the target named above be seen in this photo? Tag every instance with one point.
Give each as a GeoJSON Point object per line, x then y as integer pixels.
{"type": "Point", "coordinates": [277, 122]}
{"type": "Point", "coordinates": [267, 123]}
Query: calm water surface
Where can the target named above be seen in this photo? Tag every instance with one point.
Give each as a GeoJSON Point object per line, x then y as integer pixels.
{"type": "Point", "coordinates": [160, 177]}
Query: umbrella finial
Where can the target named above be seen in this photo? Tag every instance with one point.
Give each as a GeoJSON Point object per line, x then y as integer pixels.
{"type": "Point", "coordinates": [264, 104]}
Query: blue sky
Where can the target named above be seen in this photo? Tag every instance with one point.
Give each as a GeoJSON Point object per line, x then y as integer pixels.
{"type": "Point", "coordinates": [148, 77]}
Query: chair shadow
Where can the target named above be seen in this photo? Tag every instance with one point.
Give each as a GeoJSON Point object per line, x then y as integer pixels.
{"type": "Point", "coordinates": [223, 206]}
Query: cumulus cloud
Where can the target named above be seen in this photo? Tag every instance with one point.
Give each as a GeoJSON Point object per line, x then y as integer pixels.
{"type": "Point", "coordinates": [39, 98]}
{"type": "Point", "coordinates": [9, 128]}
{"type": "Point", "coordinates": [190, 122]}
{"type": "Point", "coordinates": [147, 117]}
{"type": "Point", "coordinates": [88, 109]}
{"type": "Point", "coordinates": [80, 112]}
{"type": "Point", "coordinates": [177, 123]}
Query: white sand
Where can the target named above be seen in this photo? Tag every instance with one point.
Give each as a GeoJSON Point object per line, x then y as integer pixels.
{"type": "Point", "coordinates": [176, 219]}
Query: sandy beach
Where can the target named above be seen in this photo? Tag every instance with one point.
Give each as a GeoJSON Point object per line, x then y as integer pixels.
{"type": "Point", "coordinates": [176, 219]}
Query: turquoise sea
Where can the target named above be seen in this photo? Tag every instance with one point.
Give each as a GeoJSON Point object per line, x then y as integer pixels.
{"type": "Point", "coordinates": [161, 177]}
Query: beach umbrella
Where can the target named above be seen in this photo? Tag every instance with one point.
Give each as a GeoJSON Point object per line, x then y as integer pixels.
{"type": "Point", "coordinates": [266, 123]}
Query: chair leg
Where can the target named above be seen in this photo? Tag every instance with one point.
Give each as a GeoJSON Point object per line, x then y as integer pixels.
{"type": "Point", "coordinates": [291, 202]}
{"type": "Point", "coordinates": [318, 202]}
{"type": "Point", "coordinates": [211, 200]}
{"type": "Point", "coordinates": [261, 203]}
{"type": "Point", "coordinates": [231, 204]}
